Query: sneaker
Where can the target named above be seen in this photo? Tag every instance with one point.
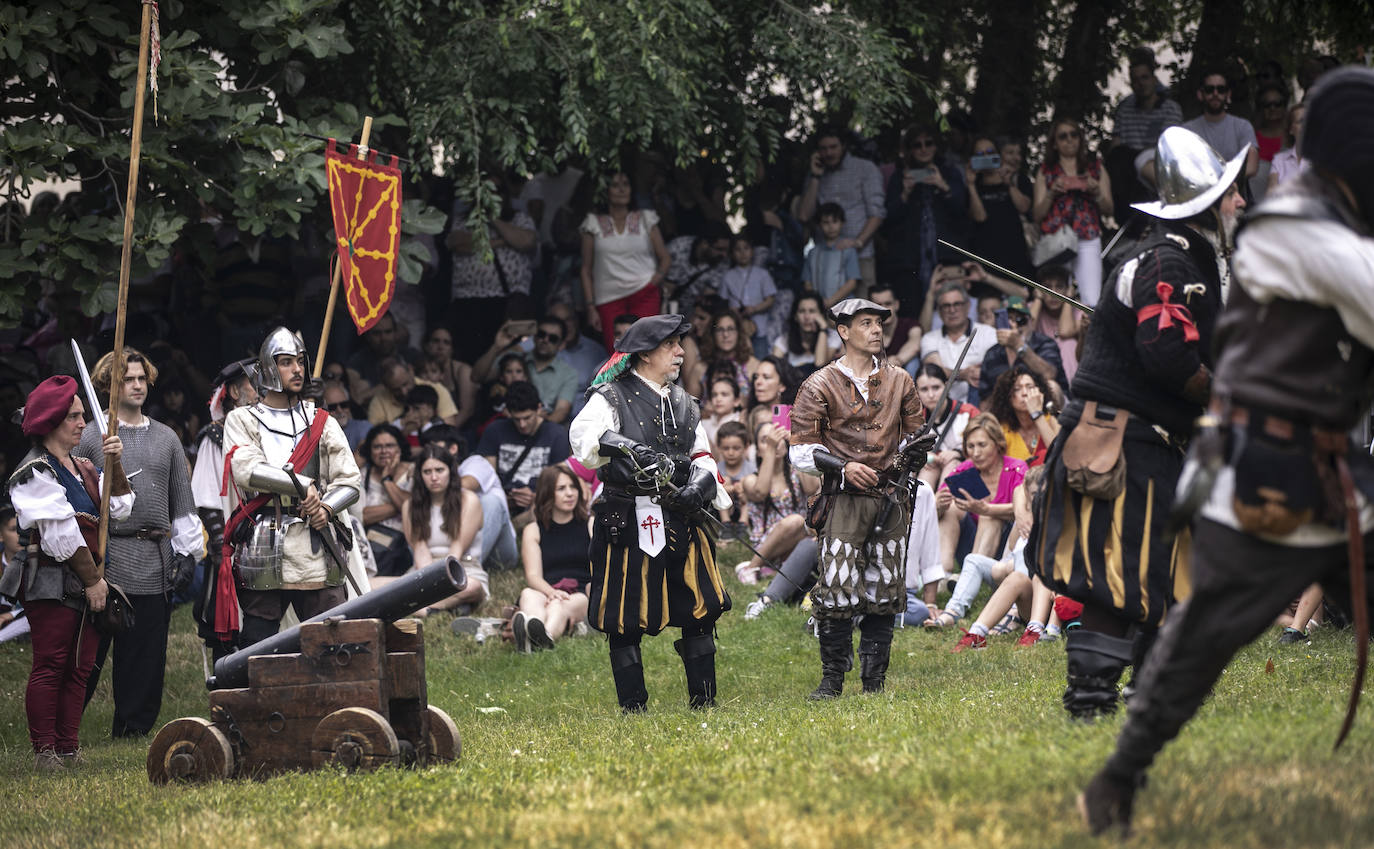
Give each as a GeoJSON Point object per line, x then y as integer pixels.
{"type": "Point", "coordinates": [47, 760]}
{"type": "Point", "coordinates": [538, 636]}
{"type": "Point", "coordinates": [1291, 636]}
{"type": "Point", "coordinates": [754, 608]}
{"type": "Point", "coordinates": [522, 637]}
{"type": "Point", "coordinates": [1049, 636]}
{"type": "Point", "coordinates": [970, 640]}
{"type": "Point", "coordinates": [1028, 638]}
{"type": "Point", "coordinates": [582, 629]}
{"type": "Point", "coordinates": [73, 760]}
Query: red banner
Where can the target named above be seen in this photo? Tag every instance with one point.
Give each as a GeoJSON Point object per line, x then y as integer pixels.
{"type": "Point", "coordinates": [366, 200]}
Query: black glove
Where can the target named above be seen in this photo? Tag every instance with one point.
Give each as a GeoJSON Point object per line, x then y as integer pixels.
{"type": "Point", "coordinates": [920, 448]}
{"type": "Point", "coordinates": [615, 447]}
{"type": "Point", "coordinates": [696, 495]}
{"type": "Point", "coordinates": [183, 570]}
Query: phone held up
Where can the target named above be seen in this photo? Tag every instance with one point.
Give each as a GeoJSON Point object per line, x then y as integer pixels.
{"type": "Point", "coordinates": [985, 162]}
{"type": "Point", "coordinates": [782, 416]}
{"type": "Point", "coordinates": [920, 174]}
{"type": "Point", "coordinates": [1002, 321]}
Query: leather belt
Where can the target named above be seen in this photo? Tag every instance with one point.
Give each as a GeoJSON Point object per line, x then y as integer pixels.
{"type": "Point", "coordinates": [154, 534]}
{"type": "Point", "coordinates": [1325, 440]}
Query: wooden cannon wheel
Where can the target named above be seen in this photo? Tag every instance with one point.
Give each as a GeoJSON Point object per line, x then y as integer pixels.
{"type": "Point", "coordinates": [355, 738]}
{"type": "Point", "coordinates": [189, 749]}
{"type": "Point", "coordinates": [444, 743]}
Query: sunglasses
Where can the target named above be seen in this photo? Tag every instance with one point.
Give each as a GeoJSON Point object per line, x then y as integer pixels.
{"type": "Point", "coordinates": [334, 408]}
{"type": "Point", "coordinates": [1272, 104]}
{"type": "Point", "coordinates": [1066, 135]}
{"type": "Point", "coordinates": [922, 143]}
{"type": "Point", "coordinates": [986, 152]}
{"type": "Point", "coordinates": [1215, 89]}
{"type": "Point", "coordinates": [548, 337]}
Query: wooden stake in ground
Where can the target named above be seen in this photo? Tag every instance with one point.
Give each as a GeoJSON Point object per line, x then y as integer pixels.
{"type": "Point", "coordinates": [125, 263]}
{"type": "Point", "coordinates": [338, 271]}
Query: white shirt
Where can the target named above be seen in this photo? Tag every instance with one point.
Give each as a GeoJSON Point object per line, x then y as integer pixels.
{"type": "Point", "coordinates": [41, 502]}
{"type": "Point", "coordinates": [477, 467]}
{"type": "Point", "coordinates": [599, 416]}
{"type": "Point", "coordinates": [948, 347]}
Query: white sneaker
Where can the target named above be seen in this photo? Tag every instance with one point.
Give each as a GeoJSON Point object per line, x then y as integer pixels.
{"type": "Point", "coordinates": [754, 608]}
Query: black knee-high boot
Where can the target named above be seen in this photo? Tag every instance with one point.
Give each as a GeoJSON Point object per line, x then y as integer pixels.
{"type": "Point", "coordinates": [1095, 662]}
{"type": "Point", "coordinates": [698, 653]}
{"type": "Point", "coordinates": [1141, 642]}
{"type": "Point", "coordinates": [836, 636]}
{"type": "Point", "coordinates": [628, 669]}
{"type": "Point", "coordinates": [875, 646]}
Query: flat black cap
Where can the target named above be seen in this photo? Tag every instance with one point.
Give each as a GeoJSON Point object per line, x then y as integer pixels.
{"type": "Point", "coordinates": [232, 372]}
{"type": "Point", "coordinates": [648, 333]}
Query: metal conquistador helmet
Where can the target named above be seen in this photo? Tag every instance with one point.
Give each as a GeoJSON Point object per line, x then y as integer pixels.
{"type": "Point", "coordinates": [1191, 175]}
{"type": "Point", "coordinates": [279, 341]}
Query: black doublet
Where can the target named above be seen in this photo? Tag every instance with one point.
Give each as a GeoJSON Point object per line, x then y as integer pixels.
{"type": "Point", "coordinates": [665, 425]}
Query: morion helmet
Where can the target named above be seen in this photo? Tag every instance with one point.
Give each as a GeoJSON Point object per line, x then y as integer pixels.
{"type": "Point", "coordinates": [1191, 175]}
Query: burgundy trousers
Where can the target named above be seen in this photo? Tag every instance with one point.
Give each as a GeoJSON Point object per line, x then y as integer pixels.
{"type": "Point", "coordinates": [57, 682]}
{"type": "Point", "coordinates": [646, 302]}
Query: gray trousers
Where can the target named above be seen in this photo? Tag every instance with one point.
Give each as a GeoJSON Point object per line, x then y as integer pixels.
{"type": "Point", "coordinates": [1240, 586]}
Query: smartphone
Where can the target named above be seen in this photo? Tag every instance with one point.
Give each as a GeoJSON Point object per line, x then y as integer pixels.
{"type": "Point", "coordinates": [919, 174]}
{"type": "Point", "coordinates": [782, 416]}
{"type": "Point", "coordinates": [1003, 321]}
{"type": "Point", "coordinates": [524, 327]}
{"type": "Point", "coordinates": [986, 162]}
{"type": "Point", "coordinates": [1073, 184]}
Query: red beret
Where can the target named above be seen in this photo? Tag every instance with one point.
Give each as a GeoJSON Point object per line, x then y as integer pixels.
{"type": "Point", "coordinates": [48, 405]}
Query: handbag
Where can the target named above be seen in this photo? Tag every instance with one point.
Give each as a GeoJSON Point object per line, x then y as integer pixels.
{"type": "Point", "coordinates": [1051, 245]}
{"type": "Point", "coordinates": [390, 550]}
{"type": "Point", "coordinates": [1093, 460]}
{"type": "Point", "coordinates": [118, 615]}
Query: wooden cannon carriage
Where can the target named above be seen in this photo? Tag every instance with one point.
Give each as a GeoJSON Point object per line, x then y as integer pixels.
{"type": "Point", "coordinates": [347, 688]}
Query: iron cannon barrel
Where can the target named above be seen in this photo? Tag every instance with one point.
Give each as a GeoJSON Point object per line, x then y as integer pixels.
{"type": "Point", "coordinates": [421, 588]}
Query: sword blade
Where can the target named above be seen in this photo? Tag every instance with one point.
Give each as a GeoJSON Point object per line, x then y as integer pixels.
{"type": "Point", "coordinates": [1019, 278]}
{"type": "Point", "coordinates": [88, 389]}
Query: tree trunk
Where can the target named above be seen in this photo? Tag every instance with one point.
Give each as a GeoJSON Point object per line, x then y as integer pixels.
{"type": "Point", "coordinates": [1008, 67]}
{"type": "Point", "coordinates": [1085, 64]}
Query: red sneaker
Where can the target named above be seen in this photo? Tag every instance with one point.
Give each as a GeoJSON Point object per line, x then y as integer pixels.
{"type": "Point", "coordinates": [970, 640]}
{"type": "Point", "coordinates": [1028, 638]}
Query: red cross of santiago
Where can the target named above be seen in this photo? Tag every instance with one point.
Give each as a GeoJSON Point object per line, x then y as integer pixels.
{"type": "Point", "coordinates": [649, 524]}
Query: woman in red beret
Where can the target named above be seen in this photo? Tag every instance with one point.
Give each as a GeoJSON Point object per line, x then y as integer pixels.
{"type": "Point", "coordinates": [59, 576]}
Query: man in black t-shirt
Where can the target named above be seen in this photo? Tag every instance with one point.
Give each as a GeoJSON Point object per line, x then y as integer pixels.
{"type": "Point", "coordinates": [522, 444]}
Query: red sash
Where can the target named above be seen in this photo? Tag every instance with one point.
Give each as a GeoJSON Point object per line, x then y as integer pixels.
{"type": "Point", "coordinates": [226, 594]}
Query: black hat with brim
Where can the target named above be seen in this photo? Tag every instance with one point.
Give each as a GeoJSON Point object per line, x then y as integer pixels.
{"type": "Point", "coordinates": [648, 333]}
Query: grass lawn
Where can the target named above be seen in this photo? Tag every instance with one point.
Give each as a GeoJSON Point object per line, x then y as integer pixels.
{"type": "Point", "coordinates": [962, 750]}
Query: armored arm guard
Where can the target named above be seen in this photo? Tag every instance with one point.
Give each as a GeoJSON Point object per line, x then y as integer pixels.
{"type": "Point", "coordinates": [268, 478]}
{"type": "Point", "coordinates": [339, 499]}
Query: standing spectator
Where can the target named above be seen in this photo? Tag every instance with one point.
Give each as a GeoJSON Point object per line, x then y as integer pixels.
{"type": "Point", "coordinates": [750, 291]}
{"type": "Point", "coordinates": [554, 551]}
{"type": "Point", "coordinates": [1140, 117]}
{"type": "Point", "coordinates": [857, 186]}
{"type": "Point", "coordinates": [1072, 194]}
{"type": "Point", "coordinates": [552, 377]}
{"type": "Point", "coordinates": [927, 199]}
{"type": "Point", "coordinates": [944, 345]}
{"type": "Point", "coordinates": [999, 198]}
{"type": "Point", "coordinates": [439, 367]}
{"type": "Point", "coordinates": [624, 259]}
{"type": "Point", "coordinates": [831, 271]}
{"type": "Point", "coordinates": [484, 292]}
{"type": "Point", "coordinates": [49, 489]}
{"type": "Point", "coordinates": [1287, 162]}
{"type": "Point", "coordinates": [152, 553]}
{"type": "Point", "coordinates": [1226, 133]}
{"type": "Point", "coordinates": [1271, 132]}
{"type": "Point", "coordinates": [520, 444]}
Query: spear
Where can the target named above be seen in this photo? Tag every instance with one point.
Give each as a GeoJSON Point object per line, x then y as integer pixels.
{"type": "Point", "coordinates": [338, 271]}
{"type": "Point", "coordinates": [125, 262]}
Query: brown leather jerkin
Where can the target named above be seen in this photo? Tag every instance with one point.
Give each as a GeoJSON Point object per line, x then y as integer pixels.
{"type": "Point", "coordinates": [1092, 452]}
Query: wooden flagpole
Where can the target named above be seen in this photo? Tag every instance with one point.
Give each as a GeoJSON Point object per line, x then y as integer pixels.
{"type": "Point", "coordinates": [338, 271]}
{"type": "Point", "coordinates": [125, 263]}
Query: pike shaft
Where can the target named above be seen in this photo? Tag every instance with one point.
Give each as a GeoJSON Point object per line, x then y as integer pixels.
{"type": "Point", "coordinates": [1019, 278]}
